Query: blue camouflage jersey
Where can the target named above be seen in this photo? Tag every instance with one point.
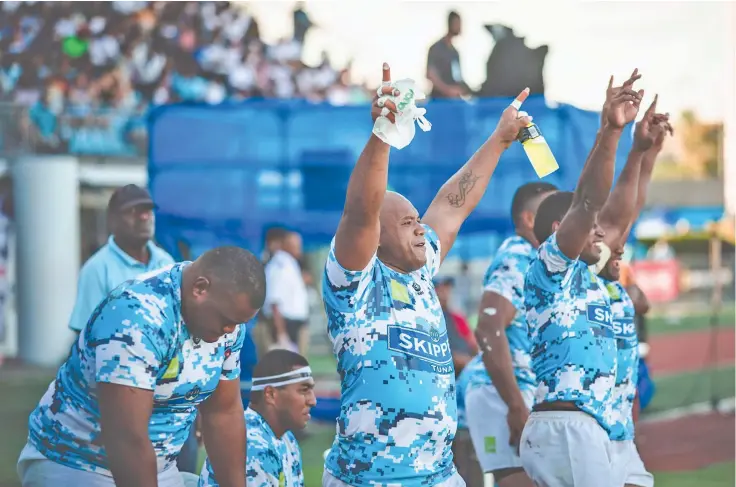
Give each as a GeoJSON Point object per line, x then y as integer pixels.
{"type": "Point", "coordinates": [568, 312]}
{"type": "Point", "coordinates": [398, 413]}
{"type": "Point", "coordinates": [505, 277]}
{"type": "Point", "coordinates": [461, 387]}
{"type": "Point", "coordinates": [272, 461]}
{"type": "Point", "coordinates": [627, 367]}
{"type": "Point", "coordinates": [135, 337]}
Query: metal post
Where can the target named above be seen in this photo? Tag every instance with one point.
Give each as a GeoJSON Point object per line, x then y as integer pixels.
{"type": "Point", "coordinates": [46, 192]}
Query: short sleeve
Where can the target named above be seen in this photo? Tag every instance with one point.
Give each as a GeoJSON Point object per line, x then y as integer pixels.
{"type": "Point", "coordinates": [343, 289]}
{"type": "Point", "coordinates": [551, 266]}
{"type": "Point", "coordinates": [231, 365]}
{"type": "Point", "coordinates": [128, 342]}
{"type": "Point", "coordinates": [433, 250]}
{"type": "Point", "coordinates": [277, 286]}
{"type": "Point", "coordinates": [91, 290]}
{"type": "Point", "coordinates": [506, 277]}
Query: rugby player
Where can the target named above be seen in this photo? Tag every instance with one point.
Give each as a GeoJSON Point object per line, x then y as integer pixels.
{"type": "Point", "coordinates": [500, 382]}
{"type": "Point", "coordinates": [629, 200]}
{"type": "Point", "coordinates": [398, 411]}
{"type": "Point", "coordinates": [281, 397]}
{"type": "Point", "coordinates": [565, 440]}
{"type": "Point", "coordinates": [155, 350]}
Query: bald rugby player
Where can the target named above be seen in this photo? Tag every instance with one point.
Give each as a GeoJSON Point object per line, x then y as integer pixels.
{"type": "Point", "coordinates": [398, 411]}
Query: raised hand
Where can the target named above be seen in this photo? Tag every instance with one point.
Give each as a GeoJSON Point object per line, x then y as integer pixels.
{"type": "Point", "coordinates": [511, 123]}
{"type": "Point", "coordinates": [624, 102]}
{"type": "Point", "coordinates": [611, 91]}
{"type": "Point", "coordinates": [662, 128]}
{"type": "Point", "coordinates": [383, 106]}
{"type": "Point", "coordinates": [648, 129]}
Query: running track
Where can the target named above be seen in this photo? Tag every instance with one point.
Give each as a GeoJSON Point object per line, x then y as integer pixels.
{"type": "Point", "coordinates": [691, 442]}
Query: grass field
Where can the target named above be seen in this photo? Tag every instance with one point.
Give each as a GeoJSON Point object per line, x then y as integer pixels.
{"type": "Point", "coordinates": [21, 392]}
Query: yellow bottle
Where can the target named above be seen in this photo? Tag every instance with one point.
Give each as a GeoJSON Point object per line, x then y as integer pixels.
{"type": "Point", "coordinates": [537, 150]}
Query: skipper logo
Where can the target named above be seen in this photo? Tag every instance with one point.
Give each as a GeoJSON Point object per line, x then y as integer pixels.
{"type": "Point", "coordinates": [601, 315]}
{"type": "Point", "coordinates": [431, 347]}
{"type": "Point", "coordinates": [624, 329]}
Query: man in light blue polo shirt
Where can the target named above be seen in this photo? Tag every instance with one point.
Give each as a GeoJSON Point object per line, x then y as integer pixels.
{"type": "Point", "coordinates": [128, 253]}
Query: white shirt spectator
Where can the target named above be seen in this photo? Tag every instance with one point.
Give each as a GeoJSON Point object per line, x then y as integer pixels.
{"type": "Point", "coordinates": [103, 49]}
{"type": "Point", "coordinates": [285, 288]}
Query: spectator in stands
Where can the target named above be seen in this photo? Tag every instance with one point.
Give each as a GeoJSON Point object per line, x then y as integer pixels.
{"type": "Point", "coordinates": [113, 60]}
{"type": "Point", "coordinates": [287, 303]}
{"type": "Point", "coordinates": [129, 252]}
{"type": "Point", "coordinates": [443, 63]}
{"type": "Point", "coordinates": [302, 23]}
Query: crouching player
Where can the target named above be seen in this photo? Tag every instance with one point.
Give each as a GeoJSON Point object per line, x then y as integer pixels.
{"type": "Point", "coordinates": [280, 400]}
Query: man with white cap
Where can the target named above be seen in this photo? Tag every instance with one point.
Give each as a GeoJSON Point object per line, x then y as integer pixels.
{"type": "Point", "coordinates": [281, 398]}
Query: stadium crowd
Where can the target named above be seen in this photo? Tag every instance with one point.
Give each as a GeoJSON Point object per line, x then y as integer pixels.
{"type": "Point", "coordinates": [89, 71]}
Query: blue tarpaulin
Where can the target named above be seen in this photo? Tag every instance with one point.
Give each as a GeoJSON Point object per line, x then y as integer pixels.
{"type": "Point", "coordinates": [223, 174]}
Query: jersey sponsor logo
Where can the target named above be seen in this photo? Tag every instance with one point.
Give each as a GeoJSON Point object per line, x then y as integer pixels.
{"type": "Point", "coordinates": [624, 329]}
{"type": "Point", "coordinates": [432, 347]}
{"type": "Point", "coordinates": [600, 314]}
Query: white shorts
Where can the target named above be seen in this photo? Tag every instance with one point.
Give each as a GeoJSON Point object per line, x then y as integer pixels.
{"type": "Point", "coordinates": [329, 480]}
{"type": "Point", "coordinates": [566, 449]}
{"type": "Point", "coordinates": [485, 414]}
{"type": "Point", "coordinates": [35, 470]}
{"type": "Point", "coordinates": [627, 465]}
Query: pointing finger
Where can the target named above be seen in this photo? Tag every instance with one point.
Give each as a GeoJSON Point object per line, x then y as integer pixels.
{"type": "Point", "coordinates": [386, 73]}
{"type": "Point", "coordinates": [652, 108]}
{"type": "Point", "coordinates": [610, 84]}
{"type": "Point", "coordinates": [520, 98]}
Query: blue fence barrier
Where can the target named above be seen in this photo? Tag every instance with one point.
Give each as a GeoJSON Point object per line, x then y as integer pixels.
{"type": "Point", "coordinates": [225, 173]}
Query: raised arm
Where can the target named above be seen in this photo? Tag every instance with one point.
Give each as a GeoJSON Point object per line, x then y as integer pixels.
{"type": "Point", "coordinates": [357, 234]}
{"type": "Point", "coordinates": [459, 196]}
{"type": "Point", "coordinates": [660, 128]}
{"type": "Point", "coordinates": [596, 179]}
{"type": "Point", "coordinates": [619, 211]}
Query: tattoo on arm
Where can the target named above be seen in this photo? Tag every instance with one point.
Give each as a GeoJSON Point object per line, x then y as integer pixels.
{"type": "Point", "coordinates": [465, 185]}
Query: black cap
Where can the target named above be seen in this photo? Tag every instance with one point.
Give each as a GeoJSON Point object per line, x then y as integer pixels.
{"type": "Point", "coordinates": [128, 197]}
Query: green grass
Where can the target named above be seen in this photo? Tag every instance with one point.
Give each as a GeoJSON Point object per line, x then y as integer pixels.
{"type": "Point", "coordinates": [720, 475]}
{"type": "Point", "coordinates": [692, 387]}
{"type": "Point", "coordinates": [661, 324]}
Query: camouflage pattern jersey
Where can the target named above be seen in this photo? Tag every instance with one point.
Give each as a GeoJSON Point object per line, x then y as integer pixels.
{"type": "Point", "coordinates": [627, 367]}
{"type": "Point", "coordinates": [505, 277]}
{"type": "Point", "coordinates": [568, 312]}
{"type": "Point", "coordinates": [272, 461]}
{"type": "Point", "coordinates": [136, 338]}
{"type": "Point", "coordinates": [398, 413]}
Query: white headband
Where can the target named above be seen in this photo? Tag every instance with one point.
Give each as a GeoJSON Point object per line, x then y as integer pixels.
{"type": "Point", "coordinates": [292, 377]}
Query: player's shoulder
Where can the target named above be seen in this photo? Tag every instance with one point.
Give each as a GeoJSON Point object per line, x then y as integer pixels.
{"type": "Point", "coordinates": [516, 245]}
{"type": "Point", "coordinates": [101, 259]}
{"type": "Point", "coordinates": [150, 297]}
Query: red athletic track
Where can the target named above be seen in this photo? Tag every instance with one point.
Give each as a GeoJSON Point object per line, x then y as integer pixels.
{"type": "Point", "coordinates": [697, 441]}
